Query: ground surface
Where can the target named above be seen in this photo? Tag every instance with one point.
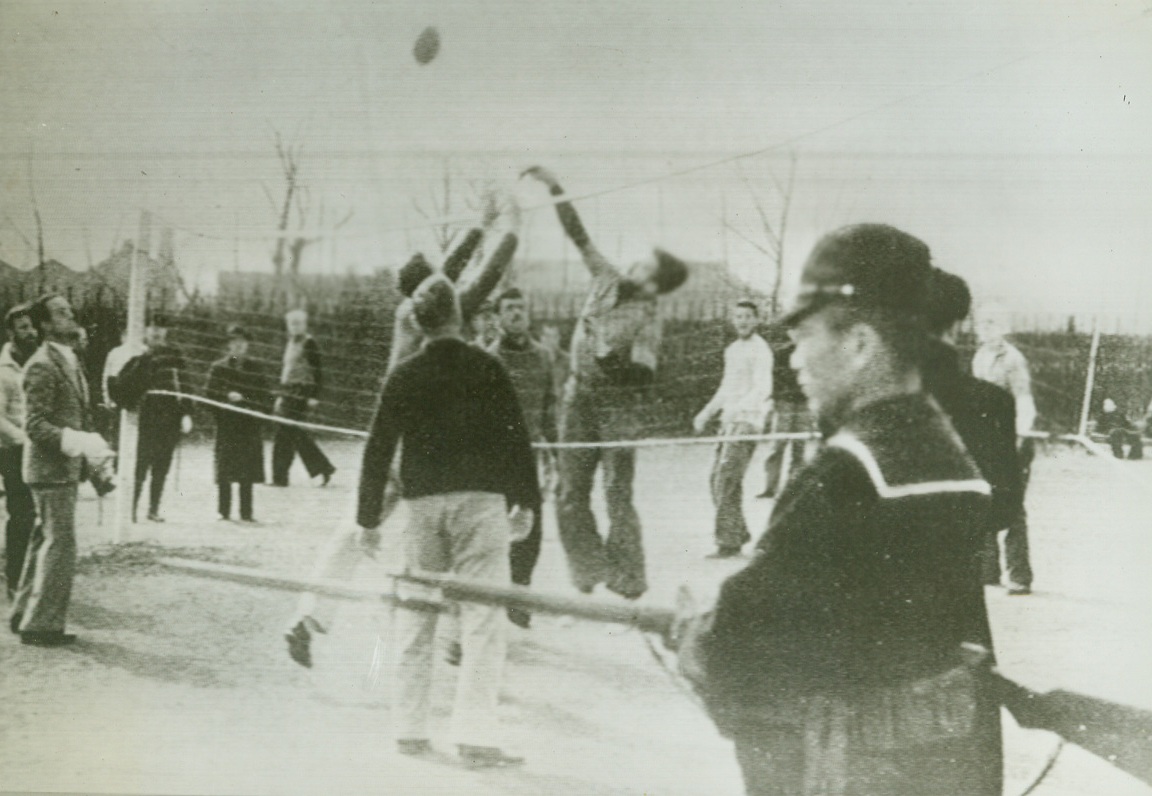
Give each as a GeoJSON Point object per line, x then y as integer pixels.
{"type": "Point", "coordinates": [180, 685]}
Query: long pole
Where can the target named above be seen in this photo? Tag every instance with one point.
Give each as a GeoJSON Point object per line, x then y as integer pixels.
{"type": "Point", "coordinates": [1090, 381]}
{"type": "Point", "coordinates": [134, 339]}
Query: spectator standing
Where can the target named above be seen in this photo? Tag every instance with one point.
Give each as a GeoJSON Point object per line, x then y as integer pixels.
{"type": "Point", "coordinates": [466, 459]}
{"type": "Point", "coordinates": [114, 363]}
{"type": "Point", "coordinates": [530, 366]}
{"type": "Point", "coordinates": [162, 419]}
{"type": "Point", "coordinates": [743, 401]}
{"type": "Point", "coordinates": [614, 354]}
{"type": "Point", "coordinates": [1001, 363]}
{"type": "Point", "coordinates": [22, 343]}
{"type": "Point", "coordinates": [790, 415]}
{"type": "Point", "coordinates": [301, 381]}
{"type": "Point", "coordinates": [236, 380]}
{"type": "Point", "coordinates": [61, 448]}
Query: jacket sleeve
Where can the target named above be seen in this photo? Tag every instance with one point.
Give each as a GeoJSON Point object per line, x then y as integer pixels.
{"type": "Point", "coordinates": [521, 485]}
{"type": "Point", "coordinates": [578, 234]}
{"type": "Point", "coordinates": [312, 355]}
{"type": "Point", "coordinates": [458, 260]}
{"type": "Point", "coordinates": [378, 453]}
{"type": "Point", "coordinates": [10, 433]}
{"type": "Point", "coordinates": [473, 294]}
{"type": "Point", "coordinates": [40, 390]}
{"type": "Point", "coordinates": [216, 389]}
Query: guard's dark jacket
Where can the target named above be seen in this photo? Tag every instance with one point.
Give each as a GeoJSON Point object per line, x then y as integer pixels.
{"type": "Point", "coordinates": [984, 416]}
{"type": "Point", "coordinates": [239, 443]}
{"type": "Point", "coordinates": [462, 428]}
{"type": "Point", "coordinates": [866, 575]}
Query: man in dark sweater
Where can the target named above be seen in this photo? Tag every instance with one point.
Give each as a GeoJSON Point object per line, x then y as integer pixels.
{"type": "Point", "coordinates": [301, 380]}
{"type": "Point", "coordinates": [162, 418]}
{"type": "Point", "coordinates": [530, 366]}
{"type": "Point", "coordinates": [835, 660]}
{"type": "Point", "coordinates": [469, 478]}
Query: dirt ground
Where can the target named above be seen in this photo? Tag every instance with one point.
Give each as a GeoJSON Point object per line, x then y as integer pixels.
{"type": "Point", "coordinates": [181, 686]}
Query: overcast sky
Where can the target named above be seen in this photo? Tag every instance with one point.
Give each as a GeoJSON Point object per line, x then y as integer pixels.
{"type": "Point", "coordinates": [1014, 137]}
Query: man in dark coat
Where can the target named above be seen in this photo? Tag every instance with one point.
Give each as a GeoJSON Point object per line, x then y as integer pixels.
{"type": "Point", "coordinates": [162, 418]}
{"type": "Point", "coordinates": [835, 661]}
{"type": "Point", "coordinates": [237, 381]}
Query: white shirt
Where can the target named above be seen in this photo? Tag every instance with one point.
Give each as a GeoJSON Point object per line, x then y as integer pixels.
{"type": "Point", "coordinates": [745, 392]}
{"type": "Point", "coordinates": [1002, 364]}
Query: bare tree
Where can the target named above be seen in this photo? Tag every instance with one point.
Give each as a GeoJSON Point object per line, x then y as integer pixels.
{"type": "Point", "coordinates": [773, 227]}
{"type": "Point", "coordinates": [452, 199]}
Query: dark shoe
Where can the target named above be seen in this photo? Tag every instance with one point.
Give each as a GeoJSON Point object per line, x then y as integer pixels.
{"type": "Point", "coordinates": [327, 477]}
{"type": "Point", "coordinates": [299, 640]}
{"type": "Point", "coordinates": [14, 622]}
{"type": "Point", "coordinates": [48, 638]}
{"type": "Point", "coordinates": [279, 483]}
{"type": "Point", "coordinates": [627, 595]}
{"type": "Point", "coordinates": [103, 487]}
{"type": "Point", "coordinates": [154, 517]}
{"type": "Point", "coordinates": [455, 654]}
{"type": "Point", "coordinates": [413, 746]}
{"type": "Point", "coordinates": [1018, 590]}
{"type": "Point", "coordinates": [520, 617]}
{"type": "Point", "coordinates": [725, 552]}
{"type": "Point", "coordinates": [488, 757]}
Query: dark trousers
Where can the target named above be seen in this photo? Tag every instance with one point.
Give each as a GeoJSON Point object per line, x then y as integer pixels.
{"type": "Point", "coordinates": [290, 440]}
{"type": "Point", "coordinates": [154, 451]}
{"type": "Point", "coordinates": [21, 516]}
{"type": "Point", "coordinates": [1121, 437]}
{"type": "Point", "coordinates": [224, 500]}
{"type": "Point", "coordinates": [727, 482]}
{"type": "Point", "coordinates": [1017, 559]}
{"type": "Point", "coordinates": [523, 556]}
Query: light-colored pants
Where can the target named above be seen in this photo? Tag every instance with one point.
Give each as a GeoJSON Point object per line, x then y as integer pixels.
{"type": "Point", "coordinates": [50, 563]}
{"type": "Point", "coordinates": [465, 533]}
{"type": "Point", "coordinates": [727, 482]}
{"type": "Point", "coordinates": [339, 559]}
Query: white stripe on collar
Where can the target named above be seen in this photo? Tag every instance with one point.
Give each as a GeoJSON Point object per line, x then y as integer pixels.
{"type": "Point", "coordinates": [850, 444]}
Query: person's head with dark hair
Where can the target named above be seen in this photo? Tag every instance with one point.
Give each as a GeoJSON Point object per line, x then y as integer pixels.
{"type": "Point", "coordinates": [659, 274]}
{"type": "Point", "coordinates": [21, 333]}
{"type": "Point", "coordinates": [238, 339]}
{"type": "Point", "coordinates": [484, 324]}
{"type": "Point", "coordinates": [859, 321]}
{"type": "Point", "coordinates": [512, 314]}
{"type": "Point", "coordinates": [745, 318]}
{"type": "Point", "coordinates": [413, 272]}
{"type": "Point", "coordinates": [949, 302]}
{"type": "Point", "coordinates": [52, 317]}
{"type": "Point", "coordinates": [436, 308]}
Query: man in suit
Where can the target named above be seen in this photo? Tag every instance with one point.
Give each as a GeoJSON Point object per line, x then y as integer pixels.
{"type": "Point", "coordinates": [62, 446]}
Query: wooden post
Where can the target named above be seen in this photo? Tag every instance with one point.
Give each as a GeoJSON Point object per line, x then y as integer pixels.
{"type": "Point", "coordinates": [1090, 381]}
{"type": "Point", "coordinates": [134, 338]}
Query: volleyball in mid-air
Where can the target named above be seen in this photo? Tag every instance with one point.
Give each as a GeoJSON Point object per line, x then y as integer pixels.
{"type": "Point", "coordinates": [427, 45]}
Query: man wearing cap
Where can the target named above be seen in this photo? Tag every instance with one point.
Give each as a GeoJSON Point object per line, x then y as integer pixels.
{"type": "Point", "coordinates": [344, 551]}
{"type": "Point", "coordinates": [836, 660]}
{"type": "Point", "coordinates": [1001, 363]}
{"type": "Point", "coordinates": [235, 382]}
{"type": "Point", "coordinates": [469, 477]}
{"type": "Point", "coordinates": [614, 354]}
{"type": "Point", "coordinates": [983, 414]}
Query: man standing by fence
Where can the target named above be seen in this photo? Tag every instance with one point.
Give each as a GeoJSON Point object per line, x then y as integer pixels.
{"type": "Point", "coordinates": [614, 354]}
{"type": "Point", "coordinates": [22, 342]}
{"type": "Point", "coordinates": [1001, 363]}
{"type": "Point", "coordinates": [529, 365]}
{"type": "Point", "coordinates": [742, 401]}
{"type": "Point", "coordinates": [163, 418]}
{"type": "Point", "coordinates": [301, 380]}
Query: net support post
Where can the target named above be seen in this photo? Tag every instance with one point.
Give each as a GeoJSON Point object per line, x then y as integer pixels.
{"type": "Point", "coordinates": [134, 338]}
{"type": "Point", "coordinates": [1090, 379]}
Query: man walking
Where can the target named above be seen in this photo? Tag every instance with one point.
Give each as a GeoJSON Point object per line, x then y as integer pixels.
{"type": "Point", "coordinates": [301, 380]}
{"type": "Point", "coordinates": [22, 342]}
{"type": "Point", "coordinates": [163, 418]}
{"type": "Point", "coordinates": [743, 401]}
{"type": "Point", "coordinates": [1001, 363]}
{"type": "Point", "coordinates": [835, 660]}
{"type": "Point", "coordinates": [61, 447]}
{"type": "Point", "coordinates": [530, 366]}
{"type": "Point", "coordinates": [614, 354]}
{"type": "Point", "coordinates": [466, 460]}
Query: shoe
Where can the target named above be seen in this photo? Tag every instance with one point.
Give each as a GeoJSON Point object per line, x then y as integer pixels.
{"type": "Point", "coordinates": [327, 477]}
{"type": "Point", "coordinates": [103, 487]}
{"type": "Point", "coordinates": [299, 640]}
{"type": "Point", "coordinates": [249, 521]}
{"type": "Point", "coordinates": [278, 483]}
{"type": "Point", "coordinates": [520, 617]}
{"type": "Point", "coordinates": [725, 552]}
{"type": "Point", "coordinates": [488, 757]}
{"type": "Point", "coordinates": [14, 622]}
{"type": "Point", "coordinates": [1018, 590]}
{"type": "Point", "coordinates": [47, 638]}
{"type": "Point", "coordinates": [154, 517]}
{"type": "Point", "coordinates": [222, 518]}
{"type": "Point", "coordinates": [413, 746]}
{"type": "Point", "coordinates": [455, 654]}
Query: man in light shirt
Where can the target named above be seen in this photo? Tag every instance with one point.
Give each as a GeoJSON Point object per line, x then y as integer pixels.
{"type": "Point", "coordinates": [742, 401]}
{"type": "Point", "coordinates": [1001, 363]}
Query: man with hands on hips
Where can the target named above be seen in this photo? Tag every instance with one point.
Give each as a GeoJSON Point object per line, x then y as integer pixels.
{"type": "Point", "coordinates": [468, 474]}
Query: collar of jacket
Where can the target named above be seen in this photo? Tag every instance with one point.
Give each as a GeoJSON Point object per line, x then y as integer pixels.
{"type": "Point", "coordinates": [8, 360]}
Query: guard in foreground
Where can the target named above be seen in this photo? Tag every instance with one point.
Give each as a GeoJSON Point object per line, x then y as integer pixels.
{"type": "Point", "coordinates": [837, 660]}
